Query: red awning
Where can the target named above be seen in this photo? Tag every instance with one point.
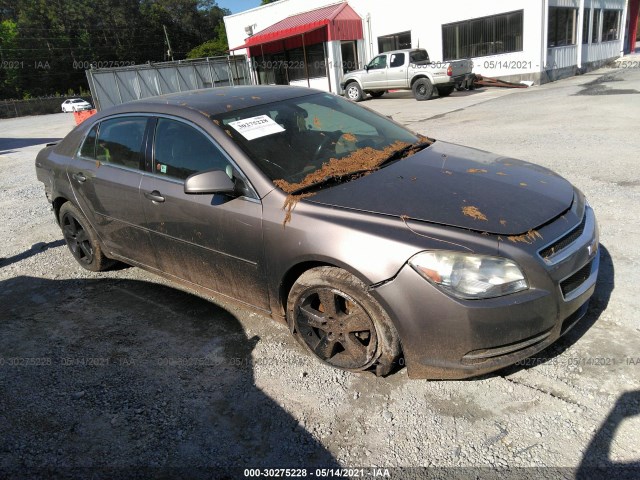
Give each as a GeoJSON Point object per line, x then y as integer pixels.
{"type": "Point", "coordinates": [342, 23]}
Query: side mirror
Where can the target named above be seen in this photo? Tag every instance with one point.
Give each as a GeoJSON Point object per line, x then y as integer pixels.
{"type": "Point", "coordinates": [211, 181]}
{"type": "Point", "coordinates": [366, 67]}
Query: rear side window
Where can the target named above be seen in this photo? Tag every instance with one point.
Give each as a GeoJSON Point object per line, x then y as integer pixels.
{"type": "Point", "coordinates": [120, 141]}
{"type": "Point", "coordinates": [397, 60]}
{"type": "Point", "coordinates": [88, 149]}
{"type": "Point", "coordinates": [181, 150]}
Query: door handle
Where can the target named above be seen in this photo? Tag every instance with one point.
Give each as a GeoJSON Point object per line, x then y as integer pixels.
{"type": "Point", "coordinates": [79, 177]}
{"type": "Point", "coordinates": [154, 196]}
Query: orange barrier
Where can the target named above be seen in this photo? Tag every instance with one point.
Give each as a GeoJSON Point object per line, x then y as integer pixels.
{"type": "Point", "coordinates": [82, 115]}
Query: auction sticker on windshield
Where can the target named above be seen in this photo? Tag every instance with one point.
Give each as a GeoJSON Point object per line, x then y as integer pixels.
{"type": "Point", "coordinates": [256, 127]}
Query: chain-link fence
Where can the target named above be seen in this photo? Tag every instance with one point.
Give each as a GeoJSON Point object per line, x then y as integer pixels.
{"type": "Point", "coordinates": [35, 106]}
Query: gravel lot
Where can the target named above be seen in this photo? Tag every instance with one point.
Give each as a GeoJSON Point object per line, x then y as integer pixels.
{"type": "Point", "coordinates": [117, 374]}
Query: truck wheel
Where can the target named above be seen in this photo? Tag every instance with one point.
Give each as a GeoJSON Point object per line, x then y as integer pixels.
{"type": "Point", "coordinates": [353, 92]}
{"type": "Point", "coordinates": [445, 91]}
{"type": "Point", "coordinates": [377, 93]}
{"type": "Point", "coordinates": [422, 89]}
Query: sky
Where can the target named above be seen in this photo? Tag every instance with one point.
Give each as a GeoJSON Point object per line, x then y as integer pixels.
{"type": "Point", "coordinates": [238, 5]}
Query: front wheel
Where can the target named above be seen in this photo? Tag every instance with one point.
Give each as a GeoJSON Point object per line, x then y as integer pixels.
{"type": "Point", "coordinates": [422, 89]}
{"type": "Point", "coordinates": [82, 240]}
{"type": "Point", "coordinates": [353, 92]}
{"type": "Point", "coordinates": [331, 314]}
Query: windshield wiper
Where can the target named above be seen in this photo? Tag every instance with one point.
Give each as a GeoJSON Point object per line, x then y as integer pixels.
{"type": "Point", "coordinates": [403, 152]}
{"type": "Point", "coordinates": [393, 157]}
{"type": "Point", "coordinates": [338, 178]}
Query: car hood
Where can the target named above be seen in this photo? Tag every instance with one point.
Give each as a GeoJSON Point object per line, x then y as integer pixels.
{"type": "Point", "coordinates": [458, 186]}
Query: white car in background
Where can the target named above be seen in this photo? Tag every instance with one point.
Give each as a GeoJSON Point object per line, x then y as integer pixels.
{"type": "Point", "coordinates": [75, 105]}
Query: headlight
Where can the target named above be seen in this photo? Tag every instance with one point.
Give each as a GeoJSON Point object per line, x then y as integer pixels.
{"type": "Point", "coordinates": [470, 276]}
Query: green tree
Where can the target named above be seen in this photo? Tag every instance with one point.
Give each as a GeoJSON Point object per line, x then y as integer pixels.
{"type": "Point", "coordinates": [211, 48]}
{"type": "Point", "coordinates": [10, 66]}
{"type": "Point", "coordinates": [266, 2]}
{"type": "Point", "coordinates": [56, 40]}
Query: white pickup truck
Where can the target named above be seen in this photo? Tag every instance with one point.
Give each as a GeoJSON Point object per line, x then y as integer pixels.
{"type": "Point", "coordinates": [407, 70]}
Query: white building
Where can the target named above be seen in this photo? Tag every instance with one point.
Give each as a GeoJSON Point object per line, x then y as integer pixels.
{"type": "Point", "coordinates": [313, 42]}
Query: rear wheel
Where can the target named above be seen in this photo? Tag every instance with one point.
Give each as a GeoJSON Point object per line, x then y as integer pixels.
{"type": "Point", "coordinates": [445, 91]}
{"type": "Point", "coordinates": [330, 313]}
{"type": "Point", "coordinates": [422, 89]}
{"type": "Point", "coordinates": [377, 93]}
{"type": "Point", "coordinates": [353, 92]}
{"type": "Point", "coordinates": [82, 240]}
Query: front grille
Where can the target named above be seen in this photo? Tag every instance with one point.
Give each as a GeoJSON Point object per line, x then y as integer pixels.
{"type": "Point", "coordinates": [565, 241]}
{"type": "Point", "coordinates": [574, 281]}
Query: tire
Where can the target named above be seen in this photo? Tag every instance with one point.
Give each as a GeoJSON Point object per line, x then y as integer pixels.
{"type": "Point", "coordinates": [377, 93]}
{"type": "Point", "coordinates": [445, 91]}
{"type": "Point", "coordinates": [353, 92]}
{"type": "Point", "coordinates": [422, 89]}
{"type": "Point", "coordinates": [330, 312]}
{"type": "Point", "coordinates": [82, 240]}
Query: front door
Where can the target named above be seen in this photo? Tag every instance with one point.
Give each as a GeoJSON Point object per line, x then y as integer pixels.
{"type": "Point", "coordinates": [376, 76]}
{"type": "Point", "coordinates": [213, 241]}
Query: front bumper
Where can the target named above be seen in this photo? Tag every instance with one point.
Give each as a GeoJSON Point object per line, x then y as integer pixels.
{"type": "Point", "coordinates": [448, 338]}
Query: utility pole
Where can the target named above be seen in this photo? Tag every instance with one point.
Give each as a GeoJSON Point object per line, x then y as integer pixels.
{"type": "Point", "coordinates": [166, 35]}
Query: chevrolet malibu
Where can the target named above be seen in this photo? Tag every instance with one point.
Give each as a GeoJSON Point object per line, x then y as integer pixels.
{"type": "Point", "coordinates": [377, 246]}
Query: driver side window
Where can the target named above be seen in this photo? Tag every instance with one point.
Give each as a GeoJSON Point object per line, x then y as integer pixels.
{"type": "Point", "coordinates": [378, 63]}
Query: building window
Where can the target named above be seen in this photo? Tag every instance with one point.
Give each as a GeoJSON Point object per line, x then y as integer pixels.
{"type": "Point", "coordinates": [562, 26]}
{"type": "Point", "coordinates": [284, 67]}
{"type": "Point", "coordinates": [396, 41]}
{"type": "Point", "coordinates": [611, 25]}
{"type": "Point", "coordinates": [586, 20]}
{"type": "Point", "coordinates": [483, 36]}
{"type": "Point", "coordinates": [595, 32]}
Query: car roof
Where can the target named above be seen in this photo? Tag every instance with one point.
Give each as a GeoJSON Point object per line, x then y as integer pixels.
{"type": "Point", "coordinates": [214, 101]}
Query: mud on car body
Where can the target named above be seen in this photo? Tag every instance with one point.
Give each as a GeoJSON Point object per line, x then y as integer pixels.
{"type": "Point", "coordinates": [377, 246]}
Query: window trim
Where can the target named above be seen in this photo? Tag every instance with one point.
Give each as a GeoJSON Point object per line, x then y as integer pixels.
{"type": "Point", "coordinates": [150, 172]}
{"type": "Point", "coordinates": [142, 164]}
{"type": "Point", "coordinates": [618, 13]}
{"type": "Point", "coordinates": [469, 21]}
{"type": "Point", "coordinates": [596, 23]}
{"type": "Point", "coordinates": [575, 27]}
{"type": "Point", "coordinates": [395, 38]}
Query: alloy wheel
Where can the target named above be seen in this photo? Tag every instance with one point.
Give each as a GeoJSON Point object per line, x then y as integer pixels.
{"type": "Point", "coordinates": [77, 239]}
{"type": "Point", "coordinates": [336, 328]}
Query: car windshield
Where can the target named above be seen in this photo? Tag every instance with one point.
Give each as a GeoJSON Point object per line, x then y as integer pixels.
{"type": "Point", "coordinates": [292, 139]}
{"type": "Point", "coordinates": [77, 101]}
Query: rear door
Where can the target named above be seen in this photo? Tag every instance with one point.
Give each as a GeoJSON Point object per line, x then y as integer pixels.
{"type": "Point", "coordinates": [214, 241]}
{"type": "Point", "coordinates": [397, 71]}
{"type": "Point", "coordinates": [105, 176]}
